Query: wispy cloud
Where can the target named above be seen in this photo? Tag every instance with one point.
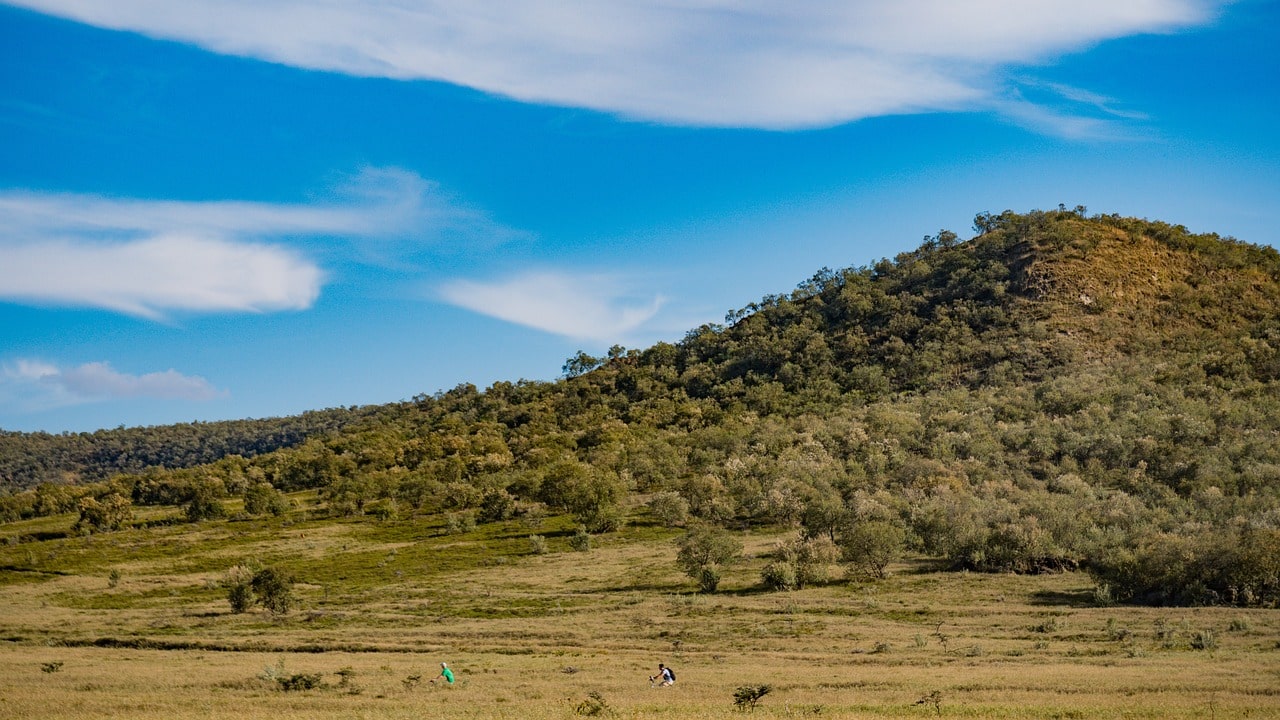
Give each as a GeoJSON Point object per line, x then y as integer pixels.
{"type": "Point", "coordinates": [39, 385]}
{"type": "Point", "coordinates": [586, 307]}
{"type": "Point", "coordinates": [150, 258]}
{"type": "Point", "coordinates": [704, 62]}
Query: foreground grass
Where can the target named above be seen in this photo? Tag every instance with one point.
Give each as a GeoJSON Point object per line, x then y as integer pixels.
{"type": "Point", "coordinates": [532, 635]}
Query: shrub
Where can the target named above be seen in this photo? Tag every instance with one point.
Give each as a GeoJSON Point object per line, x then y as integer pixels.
{"type": "Point", "coordinates": [581, 540]}
{"type": "Point", "coordinates": [703, 551]}
{"type": "Point", "coordinates": [593, 706]}
{"type": "Point", "coordinates": [263, 499]}
{"type": "Point", "coordinates": [300, 681]}
{"type": "Point", "coordinates": [1232, 567]}
{"type": "Point", "coordinates": [746, 697]}
{"type": "Point", "coordinates": [109, 513]}
{"type": "Point", "coordinates": [273, 589]}
{"type": "Point", "coordinates": [800, 563]}
{"type": "Point", "coordinates": [461, 522]}
{"type": "Point", "coordinates": [670, 508]}
{"type": "Point", "coordinates": [537, 545]}
{"type": "Point", "coordinates": [239, 584]}
{"type": "Point", "coordinates": [205, 502]}
{"type": "Point", "coordinates": [869, 547]}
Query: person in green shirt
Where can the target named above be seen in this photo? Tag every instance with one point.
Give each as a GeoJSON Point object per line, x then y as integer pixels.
{"type": "Point", "coordinates": [445, 673]}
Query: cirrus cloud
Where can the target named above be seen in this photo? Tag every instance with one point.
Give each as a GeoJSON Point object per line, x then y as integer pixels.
{"type": "Point", "coordinates": [748, 63]}
{"type": "Point", "coordinates": [584, 307]}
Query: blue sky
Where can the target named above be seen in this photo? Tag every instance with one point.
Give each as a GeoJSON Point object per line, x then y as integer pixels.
{"type": "Point", "coordinates": [230, 208]}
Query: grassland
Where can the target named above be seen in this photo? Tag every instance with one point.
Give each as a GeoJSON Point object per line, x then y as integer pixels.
{"type": "Point", "coordinates": [533, 635]}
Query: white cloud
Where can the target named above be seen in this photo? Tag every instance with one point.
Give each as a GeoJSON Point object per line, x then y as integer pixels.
{"type": "Point", "coordinates": [703, 62]}
{"type": "Point", "coordinates": [150, 258]}
{"type": "Point", "coordinates": [586, 307]}
{"type": "Point", "coordinates": [37, 385]}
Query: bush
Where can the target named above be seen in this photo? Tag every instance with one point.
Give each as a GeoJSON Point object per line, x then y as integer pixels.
{"type": "Point", "coordinates": [205, 502]}
{"type": "Point", "coordinates": [458, 523]}
{"type": "Point", "coordinates": [581, 540]}
{"type": "Point", "coordinates": [109, 513]}
{"type": "Point", "coordinates": [239, 584]}
{"type": "Point", "coordinates": [670, 508]}
{"type": "Point", "coordinates": [1216, 567]}
{"type": "Point", "coordinates": [263, 499]}
{"type": "Point", "coordinates": [800, 563]}
{"type": "Point", "coordinates": [869, 547]}
{"type": "Point", "coordinates": [273, 589]}
{"type": "Point", "coordinates": [537, 545]}
{"type": "Point", "coordinates": [703, 551]}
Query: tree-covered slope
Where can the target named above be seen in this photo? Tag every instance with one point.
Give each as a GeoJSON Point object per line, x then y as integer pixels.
{"type": "Point", "coordinates": [1058, 391]}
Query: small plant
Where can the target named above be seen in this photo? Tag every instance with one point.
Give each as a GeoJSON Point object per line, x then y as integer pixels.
{"type": "Point", "coordinates": [746, 697]}
{"type": "Point", "coordinates": [113, 578]}
{"type": "Point", "coordinates": [411, 681]}
{"type": "Point", "coordinates": [934, 698]}
{"type": "Point", "coordinates": [880, 648]}
{"type": "Point", "coordinates": [593, 706]}
{"type": "Point", "coordinates": [581, 540]}
{"type": "Point", "coordinates": [51, 667]}
{"type": "Point", "coordinates": [537, 545]}
{"type": "Point", "coordinates": [942, 638]}
{"type": "Point", "coordinates": [1204, 640]}
{"type": "Point", "coordinates": [1240, 624]}
{"type": "Point", "coordinates": [1048, 625]}
{"type": "Point", "coordinates": [299, 681]}
{"type": "Point", "coordinates": [460, 522]}
{"type": "Point", "coordinates": [1117, 633]}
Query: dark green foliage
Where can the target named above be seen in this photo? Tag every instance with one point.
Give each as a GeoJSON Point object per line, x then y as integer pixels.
{"type": "Point", "coordinates": [273, 589]}
{"type": "Point", "coordinates": [300, 681]}
{"type": "Point", "coordinates": [746, 697]}
{"type": "Point", "coordinates": [205, 502]}
{"type": "Point", "coordinates": [263, 499]}
{"type": "Point", "coordinates": [1210, 567]}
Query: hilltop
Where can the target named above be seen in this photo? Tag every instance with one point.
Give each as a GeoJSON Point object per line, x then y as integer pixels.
{"type": "Point", "coordinates": [1057, 392]}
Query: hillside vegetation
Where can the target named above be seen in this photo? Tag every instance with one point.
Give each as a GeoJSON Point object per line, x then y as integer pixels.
{"type": "Point", "coordinates": [1059, 392]}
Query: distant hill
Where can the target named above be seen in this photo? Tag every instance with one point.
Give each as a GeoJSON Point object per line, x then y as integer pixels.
{"type": "Point", "coordinates": [28, 459]}
{"type": "Point", "coordinates": [1058, 391]}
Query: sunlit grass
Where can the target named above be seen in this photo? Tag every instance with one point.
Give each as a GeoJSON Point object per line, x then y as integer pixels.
{"type": "Point", "coordinates": [531, 635]}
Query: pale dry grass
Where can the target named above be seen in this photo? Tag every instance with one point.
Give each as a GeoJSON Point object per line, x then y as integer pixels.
{"type": "Point", "coordinates": [532, 635]}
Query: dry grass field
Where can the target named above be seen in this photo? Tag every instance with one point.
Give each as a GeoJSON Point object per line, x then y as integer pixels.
{"type": "Point", "coordinates": [533, 636]}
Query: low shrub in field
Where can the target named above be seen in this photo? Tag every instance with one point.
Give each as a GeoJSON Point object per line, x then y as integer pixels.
{"type": "Point", "coordinates": [746, 697]}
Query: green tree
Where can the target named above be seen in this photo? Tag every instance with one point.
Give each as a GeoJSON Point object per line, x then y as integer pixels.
{"type": "Point", "coordinates": [273, 589]}
{"type": "Point", "coordinates": [704, 552]}
{"type": "Point", "coordinates": [109, 513]}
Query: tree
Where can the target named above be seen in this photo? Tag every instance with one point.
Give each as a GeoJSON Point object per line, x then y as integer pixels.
{"type": "Point", "coordinates": [580, 364]}
{"type": "Point", "coordinates": [274, 589]}
{"type": "Point", "coordinates": [704, 551]}
{"type": "Point", "coordinates": [206, 501]}
{"type": "Point", "coordinates": [263, 499]}
{"type": "Point", "coordinates": [868, 547]}
{"type": "Point", "coordinates": [109, 513]}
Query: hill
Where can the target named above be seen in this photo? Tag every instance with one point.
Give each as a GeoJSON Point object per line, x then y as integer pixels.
{"type": "Point", "coordinates": [1057, 392]}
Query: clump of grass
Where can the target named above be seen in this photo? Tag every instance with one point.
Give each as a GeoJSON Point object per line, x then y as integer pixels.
{"type": "Point", "coordinates": [1240, 623]}
{"type": "Point", "coordinates": [1204, 640]}
{"type": "Point", "coordinates": [1115, 632]}
{"type": "Point", "coordinates": [1048, 625]}
{"type": "Point", "coordinates": [51, 667]}
{"type": "Point", "coordinates": [411, 681]}
{"type": "Point", "coordinates": [593, 706]}
{"type": "Point", "coordinates": [113, 578]}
